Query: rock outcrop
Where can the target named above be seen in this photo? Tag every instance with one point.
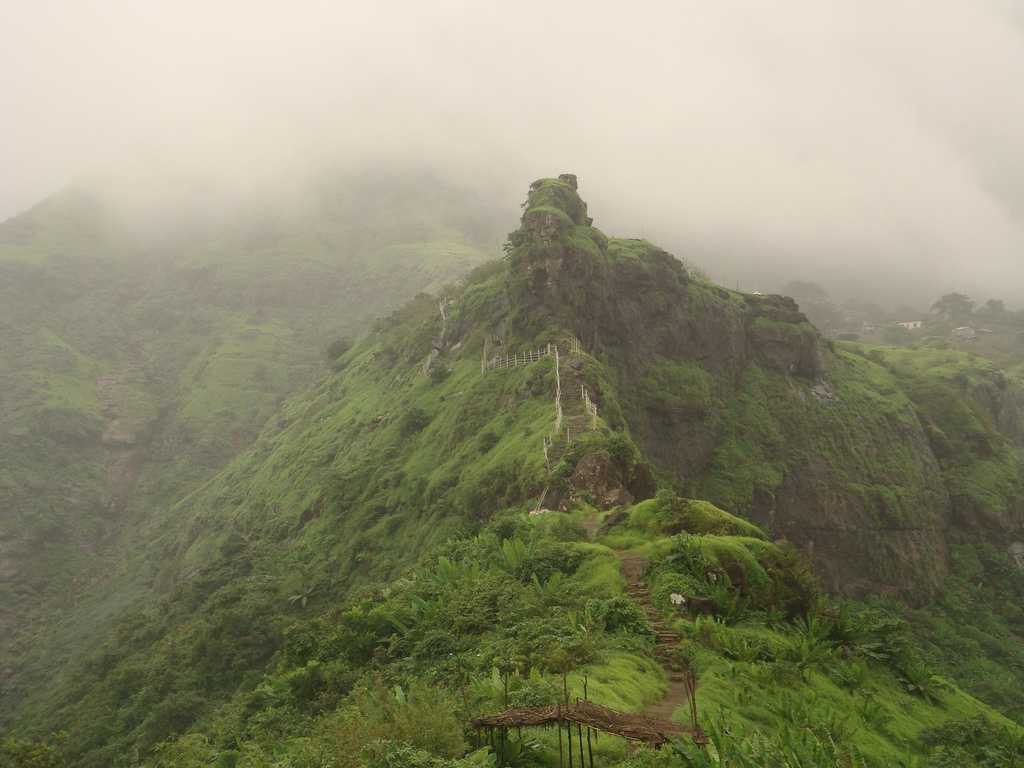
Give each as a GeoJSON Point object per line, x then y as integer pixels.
{"type": "Point", "coordinates": [736, 398]}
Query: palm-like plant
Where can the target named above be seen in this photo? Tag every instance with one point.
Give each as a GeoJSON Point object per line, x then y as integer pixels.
{"type": "Point", "coordinates": [302, 597]}
{"type": "Point", "coordinates": [810, 644]}
{"type": "Point", "coordinates": [918, 680]}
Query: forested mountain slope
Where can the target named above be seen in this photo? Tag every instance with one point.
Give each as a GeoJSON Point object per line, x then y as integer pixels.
{"type": "Point", "coordinates": [368, 576]}
{"type": "Point", "coordinates": [135, 362]}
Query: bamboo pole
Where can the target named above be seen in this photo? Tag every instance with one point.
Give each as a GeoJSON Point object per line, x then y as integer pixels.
{"type": "Point", "coordinates": [579, 732]}
{"type": "Point", "coordinates": [558, 727]}
{"type": "Point", "coordinates": [568, 725]}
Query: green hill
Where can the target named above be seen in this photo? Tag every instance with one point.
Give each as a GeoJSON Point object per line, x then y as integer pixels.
{"type": "Point", "coordinates": [493, 498]}
{"type": "Point", "coordinates": [136, 363]}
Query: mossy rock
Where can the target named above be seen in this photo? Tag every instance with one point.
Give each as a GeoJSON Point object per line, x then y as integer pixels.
{"type": "Point", "coordinates": [701, 516]}
{"type": "Point", "coordinates": [559, 195]}
{"type": "Point", "coordinates": [670, 514]}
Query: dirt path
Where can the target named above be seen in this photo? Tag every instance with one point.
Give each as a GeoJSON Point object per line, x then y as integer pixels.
{"type": "Point", "coordinates": [633, 568]}
{"type": "Point", "coordinates": [676, 695]}
{"type": "Point", "coordinates": [592, 525]}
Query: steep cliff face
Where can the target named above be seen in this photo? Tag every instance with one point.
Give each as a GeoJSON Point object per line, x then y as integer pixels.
{"type": "Point", "coordinates": [736, 398]}
{"type": "Point", "coordinates": [971, 412]}
{"type": "Point", "coordinates": [636, 301]}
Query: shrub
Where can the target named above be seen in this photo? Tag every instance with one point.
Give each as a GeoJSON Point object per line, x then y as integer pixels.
{"type": "Point", "coordinates": [809, 643]}
{"type": "Point", "coordinates": [486, 441]}
{"type": "Point", "coordinates": [687, 557]}
{"type": "Point", "coordinates": [414, 420]}
{"type": "Point", "coordinates": [918, 680]}
{"type": "Point", "coordinates": [973, 741]}
{"type": "Point", "coordinates": [533, 691]}
{"type": "Point", "coordinates": [174, 714]}
{"type": "Point", "coordinates": [337, 348]}
{"type": "Point", "coordinates": [32, 754]}
{"type": "Point", "coordinates": [618, 614]}
{"type": "Point", "coordinates": [868, 632]}
{"type": "Point", "coordinates": [420, 720]}
{"type": "Point", "coordinates": [388, 754]}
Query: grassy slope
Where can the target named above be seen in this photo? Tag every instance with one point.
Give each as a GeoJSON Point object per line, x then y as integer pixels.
{"type": "Point", "coordinates": [300, 564]}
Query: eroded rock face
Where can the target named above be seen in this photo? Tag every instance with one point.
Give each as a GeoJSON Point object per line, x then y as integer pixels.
{"type": "Point", "coordinates": [596, 479]}
{"type": "Point", "coordinates": [781, 338]}
{"type": "Point", "coordinates": [859, 537]}
{"type": "Point", "coordinates": [738, 400]}
{"type": "Point", "coordinates": [638, 301]}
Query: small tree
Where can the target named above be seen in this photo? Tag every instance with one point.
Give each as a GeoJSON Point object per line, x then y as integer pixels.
{"type": "Point", "coordinates": [993, 309]}
{"type": "Point", "coordinates": [414, 420]}
{"type": "Point", "coordinates": [955, 307]}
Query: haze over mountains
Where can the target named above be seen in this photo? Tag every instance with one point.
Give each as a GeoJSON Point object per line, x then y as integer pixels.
{"type": "Point", "coordinates": [137, 361]}
{"type": "Point", "coordinates": [869, 147]}
{"type": "Point", "coordinates": [320, 440]}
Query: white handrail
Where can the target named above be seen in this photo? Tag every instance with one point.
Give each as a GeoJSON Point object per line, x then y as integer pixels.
{"type": "Point", "coordinates": [558, 393]}
{"type": "Point", "coordinates": [529, 356]}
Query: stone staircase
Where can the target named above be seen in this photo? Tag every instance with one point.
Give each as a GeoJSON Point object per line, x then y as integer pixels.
{"type": "Point", "coordinates": [575, 412]}
{"type": "Point", "coordinates": [577, 419]}
{"type": "Point", "coordinates": [666, 640]}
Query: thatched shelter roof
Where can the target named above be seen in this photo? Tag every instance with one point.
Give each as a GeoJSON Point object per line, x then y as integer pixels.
{"type": "Point", "coordinates": [586, 713]}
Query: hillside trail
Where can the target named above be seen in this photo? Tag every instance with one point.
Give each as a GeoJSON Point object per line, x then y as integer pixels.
{"type": "Point", "coordinates": [633, 568]}
{"type": "Point", "coordinates": [576, 421]}
{"type": "Point", "coordinates": [676, 694]}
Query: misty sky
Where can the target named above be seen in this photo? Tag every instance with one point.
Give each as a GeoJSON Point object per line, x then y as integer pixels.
{"type": "Point", "coordinates": [862, 142]}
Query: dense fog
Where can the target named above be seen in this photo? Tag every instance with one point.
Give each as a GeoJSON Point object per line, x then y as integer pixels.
{"type": "Point", "coordinates": [873, 147]}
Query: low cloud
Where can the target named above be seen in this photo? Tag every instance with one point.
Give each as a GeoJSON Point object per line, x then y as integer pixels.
{"type": "Point", "coordinates": [872, 146]}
